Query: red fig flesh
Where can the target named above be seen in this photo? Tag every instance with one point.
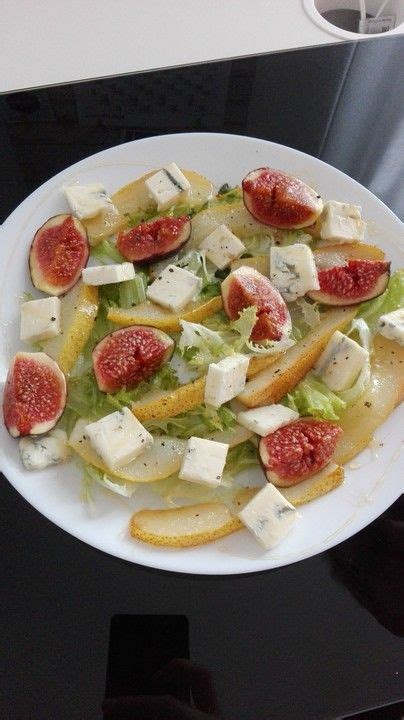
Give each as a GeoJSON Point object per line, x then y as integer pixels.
{"type": "Point", "coordinates": [34, 395]}
{"type": "Point", "coordinates": [281, 200]}
{"type": "Point", "coordinates": [298, 450]}
{"type": "Point", "coordinates": [354, 282]}
{"type": "Point", "coordinates": [245, 287]}
{"type": "Point", "coordinates": [59, 252]}
{"type": "Point", "coordinates": [126, 357]}
{"type": "Point", "coordinates": [155, 239]}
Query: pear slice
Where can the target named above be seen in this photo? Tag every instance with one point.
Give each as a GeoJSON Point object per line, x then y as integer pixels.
{"type": "Point", "coordinates": [149, 313]}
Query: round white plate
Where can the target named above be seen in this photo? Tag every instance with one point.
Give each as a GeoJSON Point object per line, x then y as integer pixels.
{"type": "Point", "coordinates": [368, 490]}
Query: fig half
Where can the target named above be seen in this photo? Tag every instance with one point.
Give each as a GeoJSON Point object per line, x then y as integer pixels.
{"type": "Point", "coordinates": [281, 200]}
{"type": "Point", "coordinates": [298, 450]}
{"type": "Point", "coordinates": [155, 239]}
{"type": "Point", "coordinates": [353, 282]}
{"type": "Point", "coordinates": [34, 395]}
{"type": "Point", "coordinates": [59, 251]}
{"type": "Point", "coordinates": [245, 287]}
{"type": "Point", "coordinates": [126, 357]}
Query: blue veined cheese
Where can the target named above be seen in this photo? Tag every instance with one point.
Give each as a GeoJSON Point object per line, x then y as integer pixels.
{"type": "Point", "coordinates": [340, 362]}
{"type": "Point", "coordinates": [226, 379]}
{"type": "Point", "coordinates": [391, 325]}
{"type": "Point", "coordinates": [341, 223]}
{"type": "Point", "coordinates": [86, 201]}
{"type": "Point", "coordinates": [37, 453]}
{"type": "Point", "coordinates": [204, 461]}
{"type": "Point", "coordinates": [118, 438]}
{"type": "Point", "coordinates": [265, 420]}
{"type": "Point", "coordinates": [174, 288]}
{"type": "Point", "coordinates": [107, 274]}
{"type": "Point", "coordinates": [168, 186]}
{"type": "Point", "coordinates": [293, 270]}
{"type": "Point", "coordinates": [222, 247]}
{"type": "Point", "coordinates": [40, 319]}
{"type": "Point", "coordinates": [268, 516]}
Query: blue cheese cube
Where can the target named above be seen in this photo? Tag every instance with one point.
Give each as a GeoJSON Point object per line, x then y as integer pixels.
{"type": "Point", "coordinates": [226, 379]}
{"type": "Point", "coordinates": [222, 247]}
{"type": "Point", "coordinates": [86, 201]}
{"type": "Point", "coordinates": [268, 516]}
{"type": "Point", "coordinates": [40, 319]}
{"type": "Point", "coordinates": [204, 461]}
{"type": "Point", "coordinates": [340, 362]}
{"type": "Point", "coordinates": [174, 288]}
{"type": "Point", "coordinates": [341, 223]}
{"type": "Point", "coordinates": [293, 271]}
{"type": "Point", "coordinates": [107, 274]}
{"type": "Point", "coordinates": [267, 419]}
{"type": "Point", "coordinates": [391, 326]}
{"type": "Point", "coordinates": [118, 438]}
{"type": "Point", "coordinates": [37, 453]}
{"type": "Point", "coordinates": [168, 186]}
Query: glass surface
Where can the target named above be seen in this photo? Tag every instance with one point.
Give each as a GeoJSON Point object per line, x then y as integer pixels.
{"type": "Point", "coordinates": [318, 639]}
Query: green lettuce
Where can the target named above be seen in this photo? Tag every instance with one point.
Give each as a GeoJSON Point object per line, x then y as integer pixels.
{"type": "Point", "coordinates": [93, 476]}
{"type": "Point", "coordinates": [391, 299]}
{"type": "Point", "coordinates": [106, 252]}
{"type": "Point", "coordinates": [312, 397]}
{"type": "Point", "coordinates": [201, 421]}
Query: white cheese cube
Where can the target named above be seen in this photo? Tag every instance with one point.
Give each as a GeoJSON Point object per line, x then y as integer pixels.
{"type": "Point", "coordinates": [86, 201]}
{"type": "Point", "coordinates": [226, 379]}
{"type": "Point", "coordinates": [107, 274]}
{"type": "Point", "coordinates": [391, 325]}
{"type": "Point", "coordinates": [340, 362]}
{"type": "Point", "coordinates": [222, 247]}
{"type": "Point", "coordinates": [267, 419]}
{"type": "Point", "coordinates": [39, 452]}
{"type": "Point", "coordinates": [341, 223]}
{"type": "Point", "coordinates": [40, 319]}
{"type": "Point", "coordinates": [268, 516]}
{"type": "Point", "coordinates": [168, 186]}
{"type": "Point", "coordinates": [118, 438]}
{"type": "Point", "coordinates": [204, 461]}
{"type": "Point", "coordinates": [293, 271]}
{"type": "Point", "coordinates": [174, 288]}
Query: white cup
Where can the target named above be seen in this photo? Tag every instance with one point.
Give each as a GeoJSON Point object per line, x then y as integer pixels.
{"type": "Point", "coordinates": [316, 8]}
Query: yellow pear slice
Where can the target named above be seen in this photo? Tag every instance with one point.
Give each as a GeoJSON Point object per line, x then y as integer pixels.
{"type": "Point", "coordinates": [134, 197]}
{"type": "Point", "coordinates": [258, 262]}
{"type": "Point", "coordinates": [385, 392]}
{"type": "Point", "coordinates": [319, 484]}
{"type": "Point", "coordinates": [184, 526]}
{"type": "Point", "coordinates": [159, 461]}
{"type": "Point", "coordinates": [106, 223]}
{"type": "Point", "coordinates": [162, 404]}
{"type": "Point", "coordinates": [234, 215]}
{"type": "Point", "coordinates": [149, 313]}
{"type": "Point", "coordinates": [270, 385]}
{"type": "Point", "coordinates": [79, 309]}
{"type": "Point", "coordinates": [331, 255]}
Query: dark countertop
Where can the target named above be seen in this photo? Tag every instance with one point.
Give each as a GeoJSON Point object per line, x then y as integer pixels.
{"type": "Point", "coordinates": [318, 639]}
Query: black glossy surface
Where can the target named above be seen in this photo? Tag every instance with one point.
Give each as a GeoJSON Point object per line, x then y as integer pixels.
{"type": "Point", "coordinates": [319, 639]}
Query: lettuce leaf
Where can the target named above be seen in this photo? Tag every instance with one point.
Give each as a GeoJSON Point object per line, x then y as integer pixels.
{"type": "Point", "coordinates": [200, 422]}
{"type": "Point", "coordinates": [106, 252]}
{"type": "Point", "coordinates": [92, 475]}
{"type": "Point", "coordinates": [312, 397]}
{"type": "Point", "coordinates": [391, 299]}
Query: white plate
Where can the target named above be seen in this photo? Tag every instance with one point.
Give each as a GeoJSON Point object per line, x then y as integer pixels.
{"type": "Point", "coordinates": [55, 492]}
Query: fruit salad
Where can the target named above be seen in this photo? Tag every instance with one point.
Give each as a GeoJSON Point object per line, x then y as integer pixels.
{"type": "Point", "coordinates": [178, 335]}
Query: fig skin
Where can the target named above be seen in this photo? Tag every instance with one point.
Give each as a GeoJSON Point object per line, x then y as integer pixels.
{"type": "Point", "coordinates": [350, 295]}
{"type": "Point", "coordinates": [36, 405]}
{"type": "Point", "coordinates": [130, 357]}
{"type": "Point", "coordinates": [255, 289]}
{"type": "Point", "coordinates": [281, 200]}
{"type": "Point", "coordinates": [333, 433]}
{"type": "Point", "coordinates": [42, 276]}
{"type": "Point", "coordinates": [160, 238]}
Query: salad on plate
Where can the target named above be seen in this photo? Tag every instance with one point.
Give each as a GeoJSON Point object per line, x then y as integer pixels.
{"type": "Point", "coordinates": [178, 335]}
